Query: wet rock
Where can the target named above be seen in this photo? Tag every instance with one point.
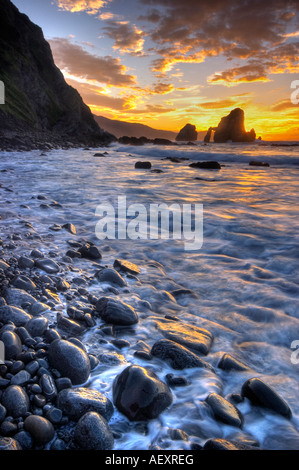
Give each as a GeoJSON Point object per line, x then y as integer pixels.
{"type": "Point", "coordinates": [111, 276]}
{"type": "Point", "coordinates": [139, 394]}
{"type": "Point", "coordinates": [261, 394]}
{"type": "Point", "coordinates": [209, 165]}
{"type": "Point", "coordinates": [8, 443]}
{"type": "Point", "coordinates": [143, 350]}
{"type": "Point", "coordinates": [75, 402]}
{"type": "Point", "coordinates": [225, 444]}
{"type": "Point", "coordinates": [224, 411]}
{"type": "Point", "coordinates": [37, 326]}
{"type": "Point", "coordinates": [36, 253]}
{"type": "Point", "coordinates": [18, 297]}
{"type": "Point", "coordinates": [47, 265]}
{"type": "Point", "coordinates": [232, 128]}
{"type": "Point", "coordinates": [69, 360]}
{"type": "Point", "coordinates": [179, 292]}
{"type": "Point", "coordinates": [3, 265]}
{"type": "Point", "coordinates": [70, 228]}
{"type": "Point", "coordinates": [255, 163]}
{"type": "Point", "coordinates": [12, 344]}
{"type": "Point", "coordinates": [187, 133]}
{"type": "Point", "coordinates": [21, 378]}
{"type": "Point", "coordinates": [192, 337]}
{"type": "Point", "coordinates": [38, 308]}
{"type": "Point", "coordinates": [92, 433]}
{"type": "Point", "coordinates": [48, 386]}
{"type": "Point", "coordinates": [25, 262]}
{"type": "Point", "coordinates": [71, 327]}
{"type": "Point", "coordinates": [176, 381]}
{"type": "Point", "coordinates": [90, 252]}
{"type": "Point", "coordinates": [177, 435]}
{"type": "Point", "coordinates": [24, 439]}
{"type": "Point", "coordinates": [126, 266]}
{"type": "Point", "coordinates": [177, 356]}
{"type": "Point", "coordinates": [143, 165]}
{"type": "Point", "coordinates": [23, 282]}
{"type": "Point", "coordinates": [15, 400]}
{"type": "Point", "coordinates": [14, 314]}
{"type": "Point", "coordinates": [229, 362]}
{"type": "Point", "coordinates": [41, 430]}
{"type": "Point", "coordinates": [116, 312]}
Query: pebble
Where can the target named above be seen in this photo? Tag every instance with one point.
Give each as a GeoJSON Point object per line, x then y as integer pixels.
{"type": "Point", "coordinates": [69, 360]}
{"type": "Point", "coordinates": [224, 411]}
{"type": "Point", "coordinates": [47, 265]}
{"type": "Point", "coordinates": [36, 326]}
{"type": "Point", "coordinates": [139, 394]}
{"type": "Point", "coordinates": [229, 362]}
{"type": "Point", "coordinates": [112, 276]}
{"type": "Point", "coordinates": [116, 312]}
{"type": "Point", "coordinates": [15, 400]}
{"type": "Point", "coordinates": [74, 402]}
{"type": "Point", "coordinates": [41, 430]}
{"type": "Point", "coordinates": [24, 262]}
{"type": "Point", "coordinates": [92, 433]}
{"type": "Point", "coordinates": [13, 314]}
{"type": "Point", "coordinates": [12, 344]}
{"type": "Point", "coordinates": [21, 378]}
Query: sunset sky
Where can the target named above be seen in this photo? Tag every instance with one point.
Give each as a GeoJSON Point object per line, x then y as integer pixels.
{"type": "Point", "coordinates": [168, 62]}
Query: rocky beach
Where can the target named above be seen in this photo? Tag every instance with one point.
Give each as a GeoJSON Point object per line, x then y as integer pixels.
{"type": "Point", "coordinates": [138, 344]}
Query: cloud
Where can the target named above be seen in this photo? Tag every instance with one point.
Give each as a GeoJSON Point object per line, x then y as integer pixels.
{"type": "Point", "coordinates": [284, 105]}
{"type": "Point", "coordinates": [152, 109]}
{"type": "Point", "coordinates": [89, 6]}
{"type": "Point", "coordinates": [80, 63]}
{"type": "Point", "coordinates": [127, 37]}
{"type": "Point", "coordinates": [192, 30]}
{"type": "Point", "coordinates": [247, 73]}
{"type": "Point", "coordinates": [225, 103]}
{"type": "Point", "coordinates": [162, 88]}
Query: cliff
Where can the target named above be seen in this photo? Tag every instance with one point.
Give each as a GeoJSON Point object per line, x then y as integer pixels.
{"type": "Point", "coordinates": [40, 107]}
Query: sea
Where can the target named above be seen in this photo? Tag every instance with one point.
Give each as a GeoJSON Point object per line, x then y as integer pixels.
{"type": "Point", "coordinates": [244, 273]}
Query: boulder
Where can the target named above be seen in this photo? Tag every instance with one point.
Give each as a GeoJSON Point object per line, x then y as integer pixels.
{"type": "Point", "coordinates": [232, 128]}
{"type": "Point", "coordinates": [75, 402]}
{"type": "Point", "coordinates": [143, 165]}
{"type": "Point", "coordinates": [92, 433]}
{"type": "Point", "coordinates": [187, 133]}
{"type": "Point", "coordinates": [14, 314]}
{"type": "Point", "coordinates": [139, 394]}
{"type": "Point", "coordinates": [116, 312]}
{"type": "Point", "coordinates": [177, 356]}
{"type": "Point", "coordinates": [70, 360]}
{"type": "Point", "coordinates": [209, 165]}
{"type": "Point", "coordinates": [225, 411]}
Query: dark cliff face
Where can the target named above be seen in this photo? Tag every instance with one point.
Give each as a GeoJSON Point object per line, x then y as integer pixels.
{"type": "Point", "coordinates": [38, 101]}
{"type": "Point", "coordinates": [232, 128]}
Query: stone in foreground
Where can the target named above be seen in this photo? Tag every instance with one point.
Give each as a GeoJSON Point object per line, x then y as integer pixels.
{"type": "Point", "coordinates": [225, 411]}
{"type": "Point", "coordinates": [76, 402]}
{"type": "Point", "coordinates": [70, 360]}
{"type": "Point", "coordinates": [261, 394]}
{"type": "Point", "coordinates": [92, 433]}
{"type": "Point", "coordinates": [177, 356]}
{"type": "Point", "coordinates": [139, 394]}
{"type": "Point", "coordinates": [116, 312]}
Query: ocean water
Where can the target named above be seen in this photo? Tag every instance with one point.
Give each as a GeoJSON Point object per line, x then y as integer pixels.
{"type": "Point", "coordinates": [245, 275]}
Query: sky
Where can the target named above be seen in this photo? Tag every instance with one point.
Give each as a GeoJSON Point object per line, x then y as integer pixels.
{"type": "Point", "coordinates": [165, 63]}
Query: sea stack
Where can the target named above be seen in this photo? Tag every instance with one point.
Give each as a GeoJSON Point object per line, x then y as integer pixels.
{"type": "Point", "coordinates": [187, 133]}
{"type": "Point", "coordinates": [232, 128]}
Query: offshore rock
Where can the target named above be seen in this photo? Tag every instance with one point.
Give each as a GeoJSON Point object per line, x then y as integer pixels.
{"type": "Point", "coordinates": [187, 133]}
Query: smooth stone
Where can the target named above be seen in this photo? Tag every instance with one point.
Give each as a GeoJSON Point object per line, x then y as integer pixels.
{"type": "Point", "coordinates": [24, 439]}
{"type": "Point", "coordinates": [191, 337]}
{"type": "Point", "coordinates": [40, 429]}
{"type": "Point", "coordinates": [263, 395]}
{"type": "Point", "coordinates": [69, 326]}
{"type": "Point", "coordinates": [37, 326]}
{"type": "Point", "coordinates": [21, 378]}
{"type": "Point", "coordinates": [8, 443]}
{"type": "Point", "coordinates": [143, 165]}
{"type": "Point", "coordinates": [90, 252]}
{"type": "Point", "coordinates": [139, 394]}
{"type": "Point", "coordinates": [15, 400]}
{"type": "Point", "coordinates": [3, 265]}
{"type": "Point", "coordinates": [225, 444]}
{"type": "Point", "coordinates": [48, 386]}
{"type": "Point", "coordinates": [36, 253]}
{"type": "Point", "coordinates": [23, 282]}
{"type": "Point", "coordinates": [47, 265]}
{"type": "Point", "coordinates": [126, 266]}
{"type": "Point", "coordinates": [112, 276]}
{"type": "Point", "coordinates": [25, 262]}
{"type": "Point", "coordinates": [209, 165]}
{"type": "Point", "coordinates": [224, 410]}
{"type": "Point", "coordinates": [12, 344]}
{"type": "Point", "coordinates": [14, 314]}
{"type": "Point", "coordinates": [177, 356]}
{"type": "Point", "coordinates": [18, 297]}
{"type": "Point", "coordinates": [176, 381]}
{"type": "Point", "coordinates": [38, 308]}
{"type": "Point", "coordinates": [70, 228]}
{"type": "Point", "coordinates": [69, 360]}
{"type": "Point", "coordinates": [92, 433]}
{"type": "Point", "coordinates": [54, 415]}
{"type": "Point", "coordinates": [229, 362]}
{"type": "Point", "coordinates": [116, 312]}
{"type": "Point", "coordinates": [75, 402]}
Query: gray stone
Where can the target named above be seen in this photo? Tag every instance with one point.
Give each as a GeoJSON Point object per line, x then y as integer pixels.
{"type": "Point", "coordinates": [75, 402]}
{"type": "Point", "coordinates": [47, 265]}
{"type": "Point", "coordinates": [92, 433]}
{"type": "Point", "coordinates": [3, 265]}
{"type": "Point", "coordinates": [23, 282]}
{"type": "Point", "coordinates": [263, 395]}
{"type": "Point", "coordinates": [112, 276]}
{"type": "Point", "coordinates": [14, 314]}
{"type": "Point", "coordinates": [139, 394]}
{"type": "Point", "coordinates": [116, 312]}
{"type": "Point", "coordinates": [37, 326]}
{"type": "Point", "coordinates": [225, 411]}
{"type": "Point", "coordinates": [229, 362]}
{"type": "Point", "coordinates": [69, 360]}
{"type": "Point", "coordinates": [38, 308]}
{"type": "Point", "coordinates": [15, 400]}
{"type": "Point", "coordinates": [177, 356]}
{"type": "Point", "coordinates": [48, 386]}
{"type": "Point", "coordinates": [12, 344]}
{"type": "Point", "coordinates": [21, 378]}
{"type": "Point", "coordinates": [40, 429]}
{"type": "Point", "coordinates": [18, 297]}
{"type": "Point", "coordinates": [69, 326]}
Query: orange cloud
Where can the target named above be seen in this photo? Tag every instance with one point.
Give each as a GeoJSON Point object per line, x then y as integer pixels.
{"type": "Point", "coordinates": [128, 38]}
{"type": "Point", "coordinates": [80, 63]}
{"type": "Point", "coordinates": [90, 6]}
